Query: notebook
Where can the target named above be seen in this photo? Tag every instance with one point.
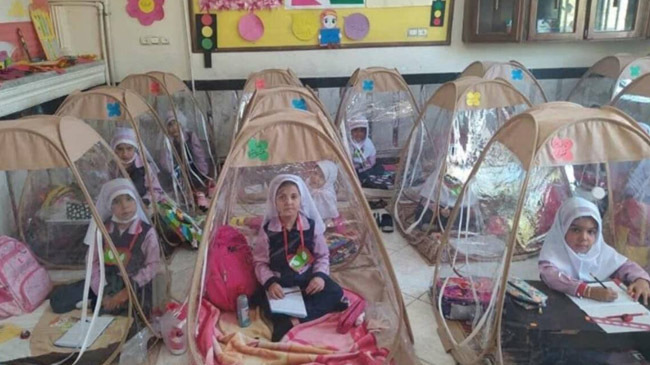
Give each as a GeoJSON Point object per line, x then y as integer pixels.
{"type": "Point", "coordinates": [292, 304]}
{"type": "Point", "coordinates": [74, 337]}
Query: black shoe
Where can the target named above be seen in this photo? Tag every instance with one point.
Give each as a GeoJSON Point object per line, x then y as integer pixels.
{"type": "Point", "coordinates": [386, 223]}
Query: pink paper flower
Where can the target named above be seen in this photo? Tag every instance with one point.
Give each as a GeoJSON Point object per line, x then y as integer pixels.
{"type": "Point", "coordinates": [146, 11]}
{"type": "Point", "coordinates": [561, 149]}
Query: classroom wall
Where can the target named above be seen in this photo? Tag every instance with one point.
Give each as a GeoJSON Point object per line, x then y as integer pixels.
{"type": "Point", "coordinates": [131, 57]}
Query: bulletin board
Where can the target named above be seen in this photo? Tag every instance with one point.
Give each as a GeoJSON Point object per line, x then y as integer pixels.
{"type": "Point", "coordinates": [297, 24]}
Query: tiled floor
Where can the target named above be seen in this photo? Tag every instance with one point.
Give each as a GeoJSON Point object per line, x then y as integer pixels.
{"type": "Point", "coordinates": [414, 277]}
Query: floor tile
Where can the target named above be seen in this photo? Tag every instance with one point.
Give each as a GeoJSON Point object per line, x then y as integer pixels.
{"type": "Point", "coordinates": [427, 344]}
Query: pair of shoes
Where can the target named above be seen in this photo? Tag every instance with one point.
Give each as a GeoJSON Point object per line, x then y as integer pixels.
{"type": "Point", "coordinates": [384, 222]}
{"type": "Point", "coordinates": [377, 204]}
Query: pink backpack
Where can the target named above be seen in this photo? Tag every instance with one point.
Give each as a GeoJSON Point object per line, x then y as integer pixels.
{"type": "Point", "coordinates": [24, 283]}
{"type": "Point", "coordinates": [230, 270]}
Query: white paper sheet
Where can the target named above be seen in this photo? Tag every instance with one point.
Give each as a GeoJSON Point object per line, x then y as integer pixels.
{"type": "Point", "coordinates": [292, 304]}
{"type": "Point", "coordinates": [74, 337]}
{"type": "Point", "coordinates": [624, 304]}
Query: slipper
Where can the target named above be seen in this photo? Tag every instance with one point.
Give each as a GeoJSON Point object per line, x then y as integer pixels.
{"type": "Point", "coordinates": [386, 223]}
{"type": "Point", "coordinates": [349, 319]}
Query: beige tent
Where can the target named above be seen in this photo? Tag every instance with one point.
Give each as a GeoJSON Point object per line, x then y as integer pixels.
{"type": "Point", "coordinates": [543, 149]}
{"type": "Point", "coordinates": [634, 99]}
{"type": "Point", "coordinates": [606, 78]}
{"type": "Point", "coordinates": [281, 97]}
{"type": "Point", "coordinates": [53, 162]}
{"type": "Point", "coordinates": [514, 72]}
{"type": "Point", "coordinates": [170, 97]}
{"type": "Point", "coordinates": [382, 97]}
{"type": "Point", "coordinates": [108, 108]}
{"type": "Point", "coordinates": [293, 142]}
{"type": "Point", "coordinates": [445, 143]}
{"type": "Point", "coordinates": [265, 79]}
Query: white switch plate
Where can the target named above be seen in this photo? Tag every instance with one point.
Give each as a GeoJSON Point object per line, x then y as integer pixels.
{"type": "Point", "coordinates": [154, 40]}
{"type": "Point", "coordinates": [422, 32]}
{"type": "Point", "coordinates": [412, 32]}
{"type": "Point", "coordinates": [144, 41]}
{"type": "Point", "coordinates": [164, 40]}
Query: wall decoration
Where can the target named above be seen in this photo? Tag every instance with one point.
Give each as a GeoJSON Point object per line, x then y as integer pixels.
{"type": "Point", "coordinates": [297, 25]}
{"type": "Point", "coordinates": [438, 13]}
{"type": "Point", "coordinates": [146, 11]}
{"type": "Point", "coordinates": [323, 4]}
{"type": "Point", "coordinates": [206, 36]}
{"type": "Point", "coordinates": [304, 26]}
{"type": "Point", "coordinates": [356, 26]}
{"type": "Point", "coordinates": [251, 27]}
{"type": "Point", "coordinates": [249, 5]}
{"type": "Point", "coordinates": [396, 3]}
{"type": "Point", "coordinates": [45, 30]}
{"type": "Point", "coordinates": [13, 11]}
{"type": "Point", "coordinates": [329, 34]}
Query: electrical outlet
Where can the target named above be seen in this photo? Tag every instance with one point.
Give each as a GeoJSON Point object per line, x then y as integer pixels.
{"type": "Point", "coordinates": [144, 41]}
{"type": "Point", "coordinates": [164, 40]}
{"type": "Point", "coordinates": [422, 32]}
{"type": "Point", "coordinates": [412, 32]}
{"type": "Point", "coordinates": [154, 40]}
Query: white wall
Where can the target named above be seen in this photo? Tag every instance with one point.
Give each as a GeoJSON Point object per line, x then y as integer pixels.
{"type": "Point", "coordinates": [131, 57]}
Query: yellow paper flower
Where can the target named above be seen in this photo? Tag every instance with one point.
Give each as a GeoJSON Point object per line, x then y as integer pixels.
{"type": "Point", "coordinates": [473, 98]}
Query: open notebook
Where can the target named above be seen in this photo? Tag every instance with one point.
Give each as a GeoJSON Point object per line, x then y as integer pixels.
{"type": "Point", "coordinates": [292, 304]}
{"type": "Point", "coordinates": [74, 337]}
{"type": "Point", "coordinates": [624, 304]}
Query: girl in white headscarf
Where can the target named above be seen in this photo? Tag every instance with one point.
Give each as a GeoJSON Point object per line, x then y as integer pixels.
{"type": "Point", "coordinates": [125, 145]}
{"type": "Point", "coordinates": [322, 189]}
{"type": "Point", "coordinates": [290, 251]}
{"type": "Point", "coordinates": [574, 250]}
{"type": "Point", "coordinates": [137, 246]}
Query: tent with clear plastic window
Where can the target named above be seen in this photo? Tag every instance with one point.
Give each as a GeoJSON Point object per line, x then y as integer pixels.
{"type": "Point", "coordinates": [174, 101]}
{"type": "Point", "coordinates": [489, 307]}
{"type": "Point", "coordinates": [380, 98]}
{"type": "Point", "coordinates": [286, 97]}
{"type": "Point", "coordinates": [261, 80]}
{"type": "Point", "coordinates": [634, 99]}
{"type": "Point", "coordinates": [58, 274]}
{"type": "Point", "coordinates": [294, 142]}
{"type": "Point", "coordinates": [514, 72]}
{"type": "Point", "coordinates": [450, 134]}
{"type": "Point", "coordinates": [606, 78]}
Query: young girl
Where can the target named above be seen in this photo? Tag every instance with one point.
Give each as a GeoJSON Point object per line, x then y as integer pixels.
{"type": "Point", "coordinates": [125, 145]}
{"type": "Point", "coordinates": [574, 249]}
{"type": "Point", "coordinates": [364, 154]}
{"type": "Point", "coordinates": [186, 142]}
{"type": "Point", "coordinates": [322, 189]}
{"type": "Point", "coordinates": [136, 243]}
{"type": "Point", "coordinates": [291, 251]}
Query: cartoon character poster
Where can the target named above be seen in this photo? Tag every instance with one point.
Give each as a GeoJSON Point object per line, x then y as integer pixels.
{"type": "Point", "coordinates": [323, 4]}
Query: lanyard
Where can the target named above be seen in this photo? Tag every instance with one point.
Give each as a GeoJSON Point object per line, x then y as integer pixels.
{"type": "Point", "coordinates": [286, 239]}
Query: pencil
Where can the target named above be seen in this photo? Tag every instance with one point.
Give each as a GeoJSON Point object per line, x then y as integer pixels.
{"type": "Point", "coordinates": [599, 282]}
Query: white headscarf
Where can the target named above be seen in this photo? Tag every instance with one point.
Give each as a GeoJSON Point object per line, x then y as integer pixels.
{"type": "Point", "coordinates": [364, 148]}
{"type": "Point", "coordinates": [178, 117]}
{"type": "Point", "coordinates": [127, 136]}
{"type": "Point", "coordinates": [601, 259]}
{"type": "Point", "coordinates": [110, 191]}
{"type": "Point", "coordinates": [307, 205]}
{"type": "Point", "coordinates": [325, 196]}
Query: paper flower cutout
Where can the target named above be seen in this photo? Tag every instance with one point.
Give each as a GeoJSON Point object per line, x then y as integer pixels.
{"type": "Point", "coordinates": [299, 104]}
{"type": "Point", "coordinates": [635, 71]}
{"type": "Point", "coordinates": [154, 88]}
{"type": "Point", "coordinates": [250, 5]}
{"type": "Point", "coordinates": [473, 98]}
{"type": "Point", "coordinates": [368, 85]}
{"type": "Point", "coordinates": [146, 11]}
{"type": "Point", "coordinates": [561, 149]}
{"type": "Point", "coordinates": [517, 74]}
{"type": "Point", "coordinates": [258, 149]}
{"type": "Point", "coordinates": [260, 84]}
{"type": "Point", "coordinates": [113, 109]}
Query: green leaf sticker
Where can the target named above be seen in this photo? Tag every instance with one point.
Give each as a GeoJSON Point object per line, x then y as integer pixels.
{"type": "Point", "coordinates": [258, 149]}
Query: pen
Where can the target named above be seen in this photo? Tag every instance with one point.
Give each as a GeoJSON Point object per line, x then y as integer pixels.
{"type": "Point", "coordinates": [292, 291]}
{"type": "Point", "coordinates": [599, 282]}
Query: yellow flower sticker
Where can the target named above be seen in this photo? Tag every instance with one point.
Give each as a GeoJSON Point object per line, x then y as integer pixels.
{"type": "Point", "coordinates": [473, 98]}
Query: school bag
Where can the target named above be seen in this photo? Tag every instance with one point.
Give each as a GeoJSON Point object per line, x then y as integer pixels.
{"type": "Point", "coordinates": [230, 271]}
{"type": "Point", "coordinates": [24, 283]}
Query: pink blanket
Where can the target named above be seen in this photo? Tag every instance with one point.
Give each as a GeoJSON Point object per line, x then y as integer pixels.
{"type": "Point", "coordinates": [315, 342]}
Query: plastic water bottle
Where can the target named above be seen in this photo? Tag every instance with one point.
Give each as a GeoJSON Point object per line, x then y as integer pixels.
{"type": "Point", "coordinates": [242, 311]}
